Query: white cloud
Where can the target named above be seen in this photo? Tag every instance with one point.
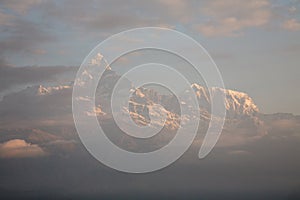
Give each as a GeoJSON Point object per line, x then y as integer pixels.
{"type": "Point", "coordinates": [20, 149]}
{"type": "Point", "coordinates": [228, 18]}
{"type": "Point", "coordinates": [291, 25]}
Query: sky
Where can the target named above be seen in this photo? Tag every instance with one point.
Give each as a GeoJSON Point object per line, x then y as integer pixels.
{"type": "Point", "coordinates": [254, 43]}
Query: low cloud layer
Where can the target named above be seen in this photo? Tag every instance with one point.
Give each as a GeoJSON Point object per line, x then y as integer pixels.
{"type": "Point", "coordinates": [20, 77]}
{"type": "Point", "coordinates": [20, 149]}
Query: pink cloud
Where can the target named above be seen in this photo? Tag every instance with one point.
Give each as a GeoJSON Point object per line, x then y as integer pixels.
{"type": "Point", "coordinates": [20, 149]}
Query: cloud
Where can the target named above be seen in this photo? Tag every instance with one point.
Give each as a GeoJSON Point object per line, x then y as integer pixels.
{"type": "Point", "coordinates": [240, 153]}
{"type": "Point", "coordinates": [291, 25]}
{"type": "Point", "coordinates": [22, 37]}
{"type": "Point", "coordinates": [229, 18]}
{"type": "Point", "coordinates": [292, 9]}
{"type": "Point", "coordinates": [39, 51]}
{"type": "Point", "coordinates": [20, 149]}
{"type": "Point", "coordinates": [25, 35]}
{"type": "Point", "coordinates": [175, 7]}
{"type": "Point", "coordinates": [11, 77]}
{"type": "Point", "coordinates": [20, 7]}
{"type": "Point", "coordinates": [46, 22]}
{"type": "Point", "coordinates": [5, 19]}
{"type": "Point", "coordinates": [109, 15]}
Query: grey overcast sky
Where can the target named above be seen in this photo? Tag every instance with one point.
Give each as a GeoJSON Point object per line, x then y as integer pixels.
{"type": "Point", "coordinates": [254, 43]}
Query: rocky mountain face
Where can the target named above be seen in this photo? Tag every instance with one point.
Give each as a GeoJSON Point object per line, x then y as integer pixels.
{"type": "Point", "coordinates": [146, 103]}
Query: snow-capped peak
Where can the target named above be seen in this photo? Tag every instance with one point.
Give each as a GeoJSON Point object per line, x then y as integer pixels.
{"type": "Point", "coordinates": [47, 90]}
{"type": "Point", "coordinates": [237, 103]}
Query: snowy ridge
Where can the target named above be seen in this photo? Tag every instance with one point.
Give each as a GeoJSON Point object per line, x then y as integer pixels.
{"type": "Point", "coordinates": [237, 103]}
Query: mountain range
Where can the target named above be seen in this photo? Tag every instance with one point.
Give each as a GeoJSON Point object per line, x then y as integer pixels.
{"type": "Point", "coordinates": [43, 115]}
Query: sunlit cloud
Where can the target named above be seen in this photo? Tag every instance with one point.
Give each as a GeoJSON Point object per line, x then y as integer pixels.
{"type": "Point", "coordinates": [39, 51]}
{"type": "Point", "coordinates": [20, 149]}
{"type": "Point", "coordinates": [229, 18]}
{"type": "Point", "coordinates": [291, 25]}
